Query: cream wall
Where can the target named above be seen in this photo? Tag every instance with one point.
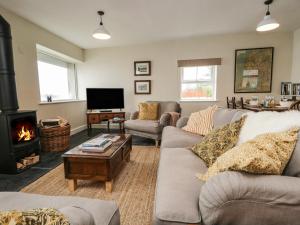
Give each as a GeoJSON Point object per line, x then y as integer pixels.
{"type": "Point", "coordinates": [113, 67]}
{"type": "Point", "coordinates": [25, 37]}
{"type": "Point", "coordinates": [296, 57]}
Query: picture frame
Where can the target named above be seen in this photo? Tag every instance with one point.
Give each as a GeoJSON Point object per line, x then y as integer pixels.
{"type": "Point", "coordinates": [296, 89]}
{"type": "Point", "coordinates": [253, 70]}
{"type": "Point", "coordinates": [142, 87]}
{"type": "Point", "coordinates": [142, 68]}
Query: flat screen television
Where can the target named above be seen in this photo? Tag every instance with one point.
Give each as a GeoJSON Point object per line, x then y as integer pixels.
{"type": "Point", "coordinates": [105, 98]}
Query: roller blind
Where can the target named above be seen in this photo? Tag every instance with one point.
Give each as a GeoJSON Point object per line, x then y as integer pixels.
{"type": "Point", "coordinates": [46, 58]}
{"type": "Point", "coordinates": [199, 62]}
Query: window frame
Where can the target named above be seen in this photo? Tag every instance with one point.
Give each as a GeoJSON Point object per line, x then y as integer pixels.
{"type": "Point", "coordinates": [72, 76]}
{"type": "Point", "coordinates": [213, 81]}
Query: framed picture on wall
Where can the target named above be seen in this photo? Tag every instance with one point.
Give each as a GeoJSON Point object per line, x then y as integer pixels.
{"type": "Point", "coordinates": [142, 68]}
{"type": "Point", "coordinates": [142, 87]}
{"type": "Point", "coordinates": [253, 70]}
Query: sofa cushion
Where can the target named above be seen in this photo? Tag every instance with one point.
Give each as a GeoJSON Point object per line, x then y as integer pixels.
{"type": "Point", "coordinates": [77, 215]}
{"type": "Point", "coordinates": [173, 137]}
{"type": "Point", "coordinates": [149, 126]}
{"type": "Point", "coordinates": [222, 117]}
{"type": "Point", "coordinates": [104, 212]}
{"type": "Point", "coordinates": [218, 141]}
{"type": "Point", "coordinates": [177, 187]}
{"type": "Point", "coordinates": [148, 111]}
{"type": "Point", "coordinates": [167, 106]}
{"type": "Point", "coordinates": [267, 121]}
{"type": "Point", "coordinates": [238, 115]}
{"type": "Point", "coordinates": [266, 154]}
{"type": "Point", "coordinates": [201, 122]}
{"type": "Point", "coordinates": [293, 166]}
{"type": "Point", "coordinates": [33, 216]}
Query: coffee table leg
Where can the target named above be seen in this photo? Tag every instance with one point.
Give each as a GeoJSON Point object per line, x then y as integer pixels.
{"type": "Point", "coordinates": [109, 186]}
{"type": "Point", "coordinates": [72, 184]}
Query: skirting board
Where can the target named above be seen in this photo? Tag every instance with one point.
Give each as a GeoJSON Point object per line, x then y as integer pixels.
{"type": "Point", "coordinates": [78, 129]}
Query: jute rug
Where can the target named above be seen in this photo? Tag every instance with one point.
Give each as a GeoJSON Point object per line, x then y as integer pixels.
{"type": "Point", "coordinates": [133, 188]}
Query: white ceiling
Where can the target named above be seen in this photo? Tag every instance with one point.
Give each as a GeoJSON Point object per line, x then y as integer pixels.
{"type": "Point", "coordinates": [141, 21]}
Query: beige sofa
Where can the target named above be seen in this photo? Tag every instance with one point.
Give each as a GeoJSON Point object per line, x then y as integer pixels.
{"type": "Point", "coordinates": [230, 198]}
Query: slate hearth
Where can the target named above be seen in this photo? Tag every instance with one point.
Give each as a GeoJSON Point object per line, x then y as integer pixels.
{"type": "Point", "coordinates": [50, 160]}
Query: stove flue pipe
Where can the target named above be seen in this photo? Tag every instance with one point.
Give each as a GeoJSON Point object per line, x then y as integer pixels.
{"type": "Point", "coordinates": [8, 90]}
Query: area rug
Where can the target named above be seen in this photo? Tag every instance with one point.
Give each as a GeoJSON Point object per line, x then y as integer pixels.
{"type": "Point", "coordinates": [133, 188]}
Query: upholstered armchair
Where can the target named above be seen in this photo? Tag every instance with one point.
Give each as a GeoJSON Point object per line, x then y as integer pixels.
{"type": "Point", "coordinates": [153, 128]}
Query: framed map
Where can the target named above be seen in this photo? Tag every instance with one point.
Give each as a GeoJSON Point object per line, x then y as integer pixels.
{"type": "Point", "coordinates": [253, 70]}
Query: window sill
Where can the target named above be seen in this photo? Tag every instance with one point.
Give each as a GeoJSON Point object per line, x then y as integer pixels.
{"type": "Point", "coordinates": [60, 102]}
{"type": "Point", "coordinates": [214, 100]}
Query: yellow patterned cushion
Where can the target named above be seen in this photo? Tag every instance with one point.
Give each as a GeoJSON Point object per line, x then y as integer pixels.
{"type": "Point", "coordinates": [44, 216]}
{"type": "Point", "coordinates": [218, 141]}
{"type": "Point", "coordinates": [201, 122]}
{"type": "Point", "coordinates": [148, 111]}
{"type": "Point", "coordinates": [266, 154]}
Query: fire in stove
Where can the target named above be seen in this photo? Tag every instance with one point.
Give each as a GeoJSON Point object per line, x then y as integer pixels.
{"type": "Point", "coordinates": [23, 131]}
{"type": "Point", "coordinates": [25, 134]}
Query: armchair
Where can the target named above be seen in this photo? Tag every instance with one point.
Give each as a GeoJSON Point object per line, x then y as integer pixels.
{"type": "Point", "coordinates": [152, 128]}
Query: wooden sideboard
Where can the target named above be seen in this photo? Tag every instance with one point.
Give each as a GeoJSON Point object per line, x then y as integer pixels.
{"type": "Point", "coordinates": [98, 117]}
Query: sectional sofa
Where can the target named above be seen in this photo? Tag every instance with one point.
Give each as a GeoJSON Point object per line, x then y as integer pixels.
{"type": "Point", "coordinates": [230, 198]}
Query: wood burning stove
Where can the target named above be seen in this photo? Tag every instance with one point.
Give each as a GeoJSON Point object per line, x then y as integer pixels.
{"type": "Point", "coordinates": [19, 139]}
{"type": "Point", "coordinates": [18, 129]}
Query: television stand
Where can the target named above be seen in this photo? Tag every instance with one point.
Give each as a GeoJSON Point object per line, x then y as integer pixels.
{"type": "Point", "coordinates": [98, 117]}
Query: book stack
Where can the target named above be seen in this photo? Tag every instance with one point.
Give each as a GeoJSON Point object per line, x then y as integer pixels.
{"type": "Point", "coordinates": [286, 88]}
{"type": "Point", "coordinates": [110, 137]}
{"type": "Point", "coordinates": [96, 145]}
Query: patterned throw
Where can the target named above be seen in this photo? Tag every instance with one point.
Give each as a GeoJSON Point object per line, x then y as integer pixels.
{"type": "Point", "coordinates": [43, 216]}
{"type": "Point", "coordinates": [218, 142]}
{"type": "Point", "coordinates": [266, 154]}
{"type": "Point", "coordinates": [174, 118]}
{"type": "Point", "coordinates": [148, 111]}
{"type": "Point", "coordinates": [201, 122]}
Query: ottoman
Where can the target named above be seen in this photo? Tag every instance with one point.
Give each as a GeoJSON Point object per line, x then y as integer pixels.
{"type": "Point", "coordinates": [79, 211]}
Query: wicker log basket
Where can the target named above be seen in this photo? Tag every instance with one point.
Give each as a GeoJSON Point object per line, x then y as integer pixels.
{"type": "Point", "coordinates": [55, 139]}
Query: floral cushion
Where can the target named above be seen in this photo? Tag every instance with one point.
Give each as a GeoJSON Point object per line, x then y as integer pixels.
{"type": "Point", "coordinates": [266, 154]}
{"type": "Point", "coordinates": [43, 216]}
{"type": "Point", "coordinates": [218, 141]}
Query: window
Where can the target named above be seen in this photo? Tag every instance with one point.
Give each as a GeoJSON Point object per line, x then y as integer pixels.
{"type": "Point", "coordinates": [57, 78]}
{"type": "Point", "coordinates": [198, 83]}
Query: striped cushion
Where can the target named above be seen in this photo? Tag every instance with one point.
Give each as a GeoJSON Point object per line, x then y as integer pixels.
{"type": "Point", "coordinates": [201, 122]}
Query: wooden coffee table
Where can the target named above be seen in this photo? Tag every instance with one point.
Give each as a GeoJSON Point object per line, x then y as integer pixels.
{"type": "Point", "coordinates": [104, 166]}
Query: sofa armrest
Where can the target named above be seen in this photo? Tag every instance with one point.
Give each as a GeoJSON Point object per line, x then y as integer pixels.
{"type": "Point", "coordinates": [233, 198]}
{"type": "Point", "coordinates": [165, 119]}
{"type": "Point", "coordinates": [182, 122]}
{"type": "Point", "coordinates": [134, 115]}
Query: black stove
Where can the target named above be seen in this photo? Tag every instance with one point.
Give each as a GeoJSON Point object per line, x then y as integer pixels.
{"type": "Point", "coordinates": [18, 129]}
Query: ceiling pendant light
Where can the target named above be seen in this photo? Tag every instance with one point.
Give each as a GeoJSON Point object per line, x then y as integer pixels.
{"type": "Point", "coordinates": [101, 32]}
{"type": "Point", "coordinates": [268, 23]}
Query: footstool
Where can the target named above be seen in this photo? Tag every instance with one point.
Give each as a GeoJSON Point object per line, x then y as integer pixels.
{"type": "Point", "coordinates": [79, 211]}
